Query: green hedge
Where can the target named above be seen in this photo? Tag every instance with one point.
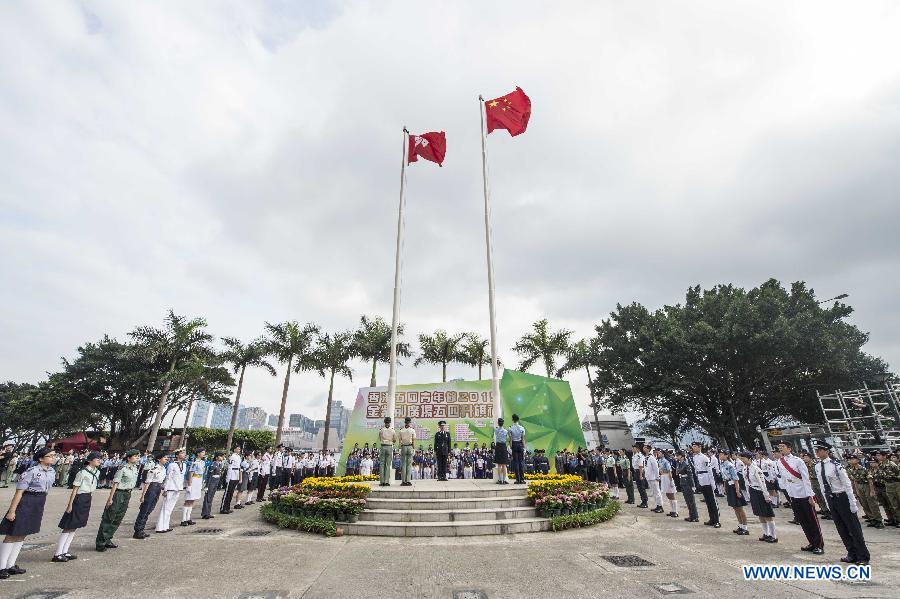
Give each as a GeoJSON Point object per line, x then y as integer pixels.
{"type": "Point", "coordinates": [214, 438]}
{"type": "Point", "coordinates": [585, 519]}
{"type": "Point", "coordinates": [303, 523]}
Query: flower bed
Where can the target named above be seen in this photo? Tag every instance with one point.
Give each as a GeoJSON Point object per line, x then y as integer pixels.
{"type": "Point", "coordinates": [566, 497]}
{"type": "Point", "coordinates": [329, 499]}
{"type": "Point", "coordinates": [601, 514]}
{"type": "Point", "coordinates": [271, 514]}
{"type": "Point", "coordinates": [551, 476]}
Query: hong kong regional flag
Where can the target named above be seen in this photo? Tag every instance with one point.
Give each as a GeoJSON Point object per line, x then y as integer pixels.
{"type": "Point", "coordinates": [430, 146]}
{"type": "Point", "coordinates": [510, 112]}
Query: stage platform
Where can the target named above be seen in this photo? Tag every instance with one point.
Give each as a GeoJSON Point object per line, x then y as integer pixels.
{"type": "Point", "coordinates": [454, 508]}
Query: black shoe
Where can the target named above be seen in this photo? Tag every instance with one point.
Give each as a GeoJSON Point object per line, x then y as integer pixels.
{"type": "Point", "coordinates": [111, 545]}
{"type": "Point", "coordinates": [205, 517]}
{"type": "Point", "coordinates": [101, 548]}
{"type": "Point", "coordinates": [772, 540]}
{"type": "Point", "coordinates": [708, 523]}
{"type": "Point", "coordinates": [793, 522]}
{"type": "Point", "coordinates": [717, 525]}
{"type": "Point", "coordinates": [159, 532]}
{"type": "Point", "coordinates": [70, 557]}
{"type": "Point", "coordinates": [238, 507]}
{"type": "Point", "coordinates": [738, 531]}
{"type": "Point", "coordinates": [60, 559]}
{"type": "Point", "coordinates": [848, 560]}
{"type": "Point", "coordinates": [139, 535]}
{"type": "Point", "coordinates": [642, 505]}
{"type": "Point", "coordinates": [765, 538]}
{"type": "Point", "coordinates": [818, 551]}
{"type": "Point", "coordinates": [689, 519]}
{"type": "Point", "coordinates": [184, 523]}
{"type": "Point", "coordinates": [3, 573]}
{"type": "Point", "coordinates": [630, 501]}
{"type": "Point", "coordinates": [224, 511]}
{"type": "Point", "coordinates": [807, 548]}
{"type": "Point", "coordinates": [15, 569]}
{"type": "Point", "coordinates": [744, 532]}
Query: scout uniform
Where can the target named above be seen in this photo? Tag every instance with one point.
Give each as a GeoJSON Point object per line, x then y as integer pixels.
{"type": "Point", "coordinates": [839, 500]}
{"type": "Point", "coordinates": [194, 490]}
{"type": "Point", "coordinates": [232, 478]}
{"type": "Point", "coordinates": [213, 476]}
{"type": "Point", "coordinates": [792, 470]}
{"type": "Point", "coordinates": [172, 488]}
{"type": "Point", "coordinates": [265, 470]}
{"type": "Point", "coordinates": [32, 488]}
{"type": "Point", "coordinates": [85, 483]}
{"type": "Point", "coordinates": [124, 482]}
{"type": "Point", "coordinates": [154, 476]}
{"type": "Point", "coordinates": [386, 437]}
{"type": "Point", "coordinates": [706, 481]}
{"type": "Point", "coordinates": [686, 481]}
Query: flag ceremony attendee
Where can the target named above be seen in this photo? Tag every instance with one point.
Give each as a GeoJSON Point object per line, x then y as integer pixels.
{"type": "Point", "coordinates": [232, 479]}
{"type": "Point", "coordinates": [78, 508]}
{"type": "Point", "coordinates": [706, 481]}
{"type": "Point", "coordinates": [637, 466]}
{"type": "Point", "coordinates": [686, 480]}
{"type": "Point", "coordinates": [172, 489]}
{"type": "Point", "coordinates": [154, 478]}
{"type": "Point", "coordinates": [123, 482]}
{"type": "Point", "coordinates": [651, 475]}
{"type": "Point", "coordinates": [26, 510]}
{"type": "Point", "coordinates": [796, 479]}
{"type": "Point", "coordinates": [837, 490]}
{"type": "Point", "coordinates": [194, 487]}
{"type": "Point", "coordinates": [733, 492]}
{"type": "Point", "coordinates": [213, 478]}
{"type": "Point", "coordinates": [760, 504]}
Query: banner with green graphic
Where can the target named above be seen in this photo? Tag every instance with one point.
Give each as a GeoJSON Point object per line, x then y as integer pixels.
{"type": "Point", "coordinates": [545, 407]}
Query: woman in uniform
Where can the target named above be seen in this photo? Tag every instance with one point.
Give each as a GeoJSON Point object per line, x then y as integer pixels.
{"type": "Point", "coordinates": [732, 483]}
{"type": "Point", "coordinates": [26, 510]}
{"type": "Point", "coordinates": [501, 454]}
{"type": "Point", "coordinates": [612, 474]}
{"type": "Point", "coordinates": [755, 480]}
{"type": "Point", "coordinates": [79, 507]}
{"type": "Point", "coordinates": [244, 481]}
{"type": "Point", "coordinates": [194, 489]}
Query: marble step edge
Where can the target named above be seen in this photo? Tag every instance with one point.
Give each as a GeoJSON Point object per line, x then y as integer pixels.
{"type": "Point", "coordinates": [461, 515]}
{"type": "Point", "coordinates": [437, 529]}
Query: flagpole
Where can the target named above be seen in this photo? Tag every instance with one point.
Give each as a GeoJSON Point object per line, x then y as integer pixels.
{"type": "Point", "coordinates": [495, 380]}
{"type": "Point", "coordinates": [392, 377]}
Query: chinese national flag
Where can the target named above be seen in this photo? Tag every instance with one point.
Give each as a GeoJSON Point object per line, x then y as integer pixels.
{"type": "Point", "coordinates": [510, 112]}
{"type": "Point", "coordinates": [430, 146]}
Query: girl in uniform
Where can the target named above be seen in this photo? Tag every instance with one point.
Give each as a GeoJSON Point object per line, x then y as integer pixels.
{"type": "Point", "coordinates": [244, 481]}
{"type": "Point", "coordinates": [759, 499]}
{"type": "Point", "coordinates": [194, 488]}
{"type": "Point", "coordinates": [79, 507]}
{"type": "Point", "coordinates": [732, 483]}
{"type": "Point", "coordinates": [254, 477]}
{"type": "Point", "coordinates": [612, 478]}
{"type": "Point", "coordinates": [26, 510]}
{"type": "Point", "coordinates": [365, 467]}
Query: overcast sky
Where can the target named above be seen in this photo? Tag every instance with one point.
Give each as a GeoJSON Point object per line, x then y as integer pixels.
{"type": "Point", "coordinates": [240, 161]}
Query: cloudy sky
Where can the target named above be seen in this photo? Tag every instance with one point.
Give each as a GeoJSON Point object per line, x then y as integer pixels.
{"type": "Point", "coordinates": [240, 161]}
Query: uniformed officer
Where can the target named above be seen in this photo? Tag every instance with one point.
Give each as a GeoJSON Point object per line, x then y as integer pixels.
{"type": "Point", "coordinates": [407, 437]}
{"type": "Point", "coordinates": [706, 481]}
{"type": "Point", "coordinates": [637, 466]}
{"type": "Point", "coordinates": [686, 481]}
{"type": "Point", "coordinates": [265, 471]}
{"type": "Point", "coordinates": [888, 486]}
{"type": "Point", "coordinates": [624, 475]}
{"type": "Point", "coordinates": [26, 510]}
{"type": "Point", "coordinates": [517, 443]}
{"type": "Point", "coordinates": [864, 491]}
{"type": "Point", "coordinates": [213, 476]}
{"type": "Point", "coordinates": [194, 487]}
{"type": "Point", "coordinates": [442, 450]}
{"type": "Point", "coordinates": [386, 437]}
{"type": "Point", "coordinates": [173, 486]}
{"type": "Point", "coordinates": [123, 483]}
{"type": "Point", "coordinates": [154, 477]}
{"type": "Point", "coordinates": [793, 472]}
{"type": "Point", "coordinates": [814, 482]}
{"type": "Point", "coordinates": [232, 478]}
{"type": "Point", "coordinates": [840, 502]}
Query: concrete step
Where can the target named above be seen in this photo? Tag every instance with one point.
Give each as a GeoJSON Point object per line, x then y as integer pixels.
{"type": "Point", "coordinates": [446, 529]}
{"type": "Point", "coordinates": [459, 503]}
{"type": "Point", "coordinates": [463, 515]}
{"type": "Point", "coordinates": [410, 493]}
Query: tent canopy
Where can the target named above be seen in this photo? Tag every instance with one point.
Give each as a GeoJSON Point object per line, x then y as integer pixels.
{"type": "Point", "coordinates": [78, 441]}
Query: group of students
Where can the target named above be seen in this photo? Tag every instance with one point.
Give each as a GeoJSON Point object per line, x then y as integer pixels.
{"type": "Point", "coordinates": [754, 479]}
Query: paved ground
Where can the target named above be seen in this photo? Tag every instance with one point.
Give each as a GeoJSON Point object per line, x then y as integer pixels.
{"type": "Point", "coordinates": [226, 563]}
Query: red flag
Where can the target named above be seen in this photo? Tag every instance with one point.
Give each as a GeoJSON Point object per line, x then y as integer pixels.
{"type": "Point", "coordinates": [430, 146]}
{"type": "Point", "coordinates": [510, 112]}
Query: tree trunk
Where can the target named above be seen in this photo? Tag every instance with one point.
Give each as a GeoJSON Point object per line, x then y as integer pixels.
{"type": "Point", "coordinates": [444, 370]}
{"type": "Point", "coordinates": [593, 404]}
{"type": "Point", "coordinates": [479, 371]}
{"type": "Point", "coordinates": [284, 392]}
{"type": "Point", "coordinates": [157, 420]}
{"type": "Point", "coordinates": [328, 413]}
{"type": "Point", "coordinates": [547, 368]}
{"type": "Point", "coordinates": [234, 410]}
{"type": "Point", "coordinates": [184, 429]}
{"type": "Point", "coordinates": [374, 366]}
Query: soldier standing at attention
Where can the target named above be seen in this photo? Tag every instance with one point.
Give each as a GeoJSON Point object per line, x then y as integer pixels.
{"type": "Point", "coordinates": [386, 437]}
{"type": "Point", "coordinates": [838, 494]}
{"type": "Point", "coordinates": [232, 479]}
{"type": "Point", "coordinates": [686, 480]}
{"type": "Point", "coordinates": [172, 488]}
{"type": "Point", "coordinates": [78, 509]}
{"type": "Point", "coordinates": [884, 473]}
{"type": "Point", "coordinates": [265, 471]}
{"type": "Point", "coordinates": [637, 465]}
{"type": "Point", "coordinates": [796, 478]}
{"type": "Point", "coordinates": [442, 450]}
{"type": "Point", "coordinates": [624, 474]}
{"type": "Point", "coordinates": [864, 491]}
{"type": "Point", "coordinates": [706, 481]}
{"type": "Point", "coordinates": [154, 476]}
{"type": "Point", "coordinates": [194, 489]}
{"type": "Point", "coordinates": [213, 476]}
{"type": "Point", "coordinates": [26, 510]}
{"type": "Point", "coordinates": [123, 483]}
{"type": "Point", "coordinates": [407, 440]}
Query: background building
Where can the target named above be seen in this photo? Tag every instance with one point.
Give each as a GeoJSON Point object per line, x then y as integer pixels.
{"type": "Point", "coordinates": [251, 418]}
{"type": "Point", "coordinates": [221, 416]}
{"type": "Point", "coordinates": [273, 420]}
{"type": "Point", "coordinates": [200, 417]}
{"type": "Point", "coordinates": [614, 431]}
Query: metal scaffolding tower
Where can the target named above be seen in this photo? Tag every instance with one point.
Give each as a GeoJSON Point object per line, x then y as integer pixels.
{"type": "Point", "coordinates": [863, 418]}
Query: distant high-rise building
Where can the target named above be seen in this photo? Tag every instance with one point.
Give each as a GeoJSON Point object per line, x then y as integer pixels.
{"type": "Point", "coordinates": [273, 420]}
{"type": "Point", "coordinates": [299, 421]}
{"type": "Point", "coordinates": [345, 423]}
{"type": "Point", "coordinates": [319, 425]}
{"type": "Point", "coordinates": [251, 418]}
{"type": "Point", "coordinates": [221, 416]}
{"type": "Point", "coordinates": [200, 417]}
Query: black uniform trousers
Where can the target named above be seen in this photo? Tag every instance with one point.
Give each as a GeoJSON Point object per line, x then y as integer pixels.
{"type": "Point", "coordinates": [147, 506]}
{"type": "Point", "coordinates": [228, 496]}
{"type": "Point", "coordinates": [518, 460]}
{"type": "Point", "coordinates": [848, 526]}
{"type": "Point", "coordinates": [262, 483]}
{"type": "Point", "coordinates": [212, 485]}
{"type": "Point", "coordinates": [688, 492]}
{"type": "Point", "coordinates": [712, 507]}
{"type": "Point", "coordinates": [275, 481]}
{"type": "Point", "coordinates": [641, 485]}
{"type": "Point", "coordinates": [442, 459]}
{"type": "Point", "coordinates": [805, 514]}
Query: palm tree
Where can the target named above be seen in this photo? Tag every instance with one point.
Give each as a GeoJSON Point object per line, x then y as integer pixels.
{"type": "Point", "coordinates": [579, 356]}
{"type": "Point", "coordinates": [241, 356]}
{"type": "Point", "coordinates": [543, 344]}
{"type": "Point", "coordinates": [171, 347]}
{"type": "Point", "coordinates": [373, 342]}
{"type": "Point", "coordinates": [292, 345]}
{"type": "Point", "coordinates": [440, 348]}
{"type": "Point", "coordinates": [475, 352]}
{"type": "Point", "coordinates": [331, 355]}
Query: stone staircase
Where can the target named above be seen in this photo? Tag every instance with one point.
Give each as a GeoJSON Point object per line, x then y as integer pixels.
{"type": "Point", "coordinates": [454, 508]}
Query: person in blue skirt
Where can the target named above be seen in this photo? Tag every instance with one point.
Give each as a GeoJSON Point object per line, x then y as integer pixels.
{"type": "Point", "coordinates": [78, 509]}
{"type": "Point", "coordinates": [26, 510]}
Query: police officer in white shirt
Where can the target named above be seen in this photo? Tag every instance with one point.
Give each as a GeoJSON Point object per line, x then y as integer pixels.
{"type": "Point", "coordinates": [706, 482]}
{"type": "Point", "coordinates": [172, 489]}
{"type": "Point", "coordinates": [795, 475]}
{"type": "Point", "coordinates": [637, 464]}
{"type": "Point", "coordinates": [232, 478]}
{"type": "Point", "coordinates": [651, 474]}
{"type": "Point", "coordinates": [838, 492]}
{"type": "Point", "coordinates": [265, 471]}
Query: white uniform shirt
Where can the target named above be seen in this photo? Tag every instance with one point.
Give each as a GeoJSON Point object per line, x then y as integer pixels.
{"type": "Point", "coordinates": [651, 468]}
{"type": "Point", "coordinates": [797, 488]}
{"type": "Point", "coordinates": [288, 462]}
{"type": "Point", "coordinates": [265, 465]}
{"type": "Point", "coordinates": [234, 468]}
{"type": "Point", "coordinates": [637, 462]}
{"type": "Point", "coordinates": [278, 460]}
{"type": "Point", "coordinates": [175, 477]}
{"type": "Point", "coordinates": [755, 477]}
{"type": "Point", "coordinates": [702, 468]}
{"type": "Point", "coordinates": [838, 480]}
{"type": "Point", "coordinates": [714, 464]}
{"type": "Point", "coordinates": [155, 474]}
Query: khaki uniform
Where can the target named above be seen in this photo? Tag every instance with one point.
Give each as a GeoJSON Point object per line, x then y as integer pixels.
{"type": "Point", "coordinates": [860, 478]}
{"type": "Point", "coordinates": [887, 486]}
{"type": "Point", "coordinates": [817, 490]}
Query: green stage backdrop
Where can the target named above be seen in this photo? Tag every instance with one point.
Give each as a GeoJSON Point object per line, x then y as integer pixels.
{"type": "Point", "coordinates": [544, 405]}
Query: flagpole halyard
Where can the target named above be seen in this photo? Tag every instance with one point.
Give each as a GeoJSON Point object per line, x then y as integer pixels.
{"type": "Point", "coordinates": [395, 317]}
{"type": "Point", "coordinates": [489, 248]}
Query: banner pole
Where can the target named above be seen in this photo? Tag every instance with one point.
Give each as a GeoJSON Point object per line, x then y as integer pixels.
{"type": "Point", "coordinates": [392, 377]}
{"type": "Point", "coordinates": [489, 247]}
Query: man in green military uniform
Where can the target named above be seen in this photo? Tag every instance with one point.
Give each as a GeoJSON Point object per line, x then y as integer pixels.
{"type": "Point", "coordinates": [814, 481]}
{"type": "Point", "coordinates": [864, 490]}
{"type": "Point", "coordinates": [626, 480]}
{"type": "Point", "coordinates": [887, 487]}
{"type": "Point", "coordinates": [117, 504]}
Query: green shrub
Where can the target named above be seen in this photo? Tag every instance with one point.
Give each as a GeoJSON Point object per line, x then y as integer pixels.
{"type": "Point", "coordinates": [214, 438]}
{"type": "Point", "coordinates": [302, 523]}
{"type": "Point", "coordinates": [586, 518]}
